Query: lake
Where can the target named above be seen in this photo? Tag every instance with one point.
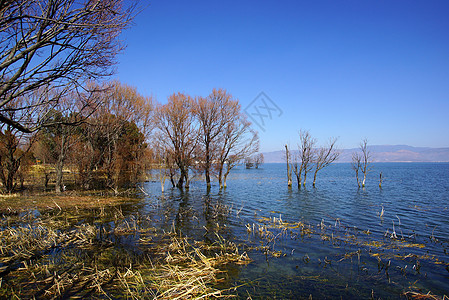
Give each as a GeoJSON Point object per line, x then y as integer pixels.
{"type": "Point", "coordinates": [334, 240]}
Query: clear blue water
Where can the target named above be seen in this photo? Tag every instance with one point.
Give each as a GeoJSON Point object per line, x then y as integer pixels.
{"type": "Point", "coordinates": [349, 250]}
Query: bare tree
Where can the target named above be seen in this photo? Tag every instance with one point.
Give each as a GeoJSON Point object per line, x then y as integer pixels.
{"type": "Point", "coordinates": [254, 161]}
{"type": "Point", "coordinates": [237, 141]}
{"type": "Point", "coordinates": [297, 168]}
{"type": "Point", "coordinates": [303, 162]}
{"type": "Point", "coordinates": [60, 135]}
{"type": "Point", "coordinates": [248, 145]}
{"type": "Point", "coordinates": [362, 161]}
{"type": "Point", "coordinates": [210, 112]}
{"type": "Point", "coordinates": [55, 47]}
{"type": "Point", "coordinates": [249, 162]}
{"type": "Point", "coordinates": [178, 129]}
{"type": "Point", "coordinates": [355, 164]}
{"type": "Point", "coordinates": [366, 160]}
{"type": "Point", "coordinates": [325, 156]}
{"type": "Point", "coordinates": [258, 160]}
{"type": "Point", "coordinates": [59, 139]}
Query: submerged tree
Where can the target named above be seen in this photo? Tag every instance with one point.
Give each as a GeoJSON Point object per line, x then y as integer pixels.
{"type": "Point", "coordinates": [325, 156]}
{"type": "Point", "coordinates": [366, 160]}
{"type": "Point", "coordinates": [308, 158]}
{"type": "Point", "coordinates": [206, 135]}
{"type": "Point", "coordinates": [238, 142]}
{"type": "Point", "coordinates": [289, 169]}
{"type": "Point", "coordinates": [303, 162]}
{"type": "Point", "coordinates": [212, 118]}
{"type": "Point", "coordinates": [361, 162]}
{"type": "Point", "coordinates": [254, 161]}
{"type": "Point", "coordinates": [179, 133]}
{"type": "Point", "coordinates": [258, 160]}
{"type": "Point", "coordinates": [249, 162]}
{"type": "Point", "coordinates": [355, 165]}
{"type": "Point", "coordinates": [56, 46]}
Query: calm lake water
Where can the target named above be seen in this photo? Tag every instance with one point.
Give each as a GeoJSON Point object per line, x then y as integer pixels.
{"type": "Point", "coordinates": [332, 241]}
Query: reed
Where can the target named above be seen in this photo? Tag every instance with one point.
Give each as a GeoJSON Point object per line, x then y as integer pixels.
{"type": "Point", "coordinates": [48, 257]}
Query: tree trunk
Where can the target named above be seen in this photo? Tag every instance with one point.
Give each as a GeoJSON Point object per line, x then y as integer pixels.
{"type": "Point", "coordinates": [182, 177]}
{"type": "Point", "coordinates": [220, 175]}
{"type": "Point", "coordinates": [207, 166]}
{"type": "Point", "coordinates": [59, 167]}
{"type": "Point", "coordinates": [162, 178]}
{"type": "Point", "coordinates": [59, 174]}
{"type": "Point", "coordinates": [9, 165]}
{"type": "Point", "coordinates": [224, 179]}
{"type": "Point", "coordinates": [8, 180]}
{"type": "Point", "coordinates": [298, 180]}
{"type": "Point", "coordinates": [46, 179]}
{"type": "Point", "coordinates": [187, 186]}
{"type": "Point", "coordinates": [172, 177]}
{"type": "Point", "coordinates": [208, 178]}
{"type": "Point", "coordinates": [289, 171]}
{"type": "Point", "coordinates": [314, 177]}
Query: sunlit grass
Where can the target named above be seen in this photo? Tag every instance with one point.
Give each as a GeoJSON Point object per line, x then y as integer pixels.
{"type": "Point", "coordinates": [53, 255]}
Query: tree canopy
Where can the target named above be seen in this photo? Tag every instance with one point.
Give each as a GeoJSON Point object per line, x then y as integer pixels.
{"type": "Point", "coordinates": [51, 47]}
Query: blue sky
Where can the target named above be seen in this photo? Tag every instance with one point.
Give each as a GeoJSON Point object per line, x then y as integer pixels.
{"type": "Point", "coordinates": [346, 69]}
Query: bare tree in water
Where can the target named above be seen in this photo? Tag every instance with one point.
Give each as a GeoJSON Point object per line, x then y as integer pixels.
{"type": "Point", "coordinates": [238, 142]}
{"type": "Point", "coordinates": [361, 161]}
{"type": "Point", "coordinates": [258, 160]}
{"type": "Point", "coordinates": [325, 156]}
{"type": "Point", "coordinates": [179, 133]}
{"type": "Point", "coordinates": [355, 165]}
{"type": "Point", "coordinates": [212, 115]}
{"type": "Point", "coordinates": [303, 162]}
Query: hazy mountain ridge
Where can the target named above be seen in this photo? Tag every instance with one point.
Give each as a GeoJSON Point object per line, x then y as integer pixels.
{"type": "Point", "coordinates": [381, 153]}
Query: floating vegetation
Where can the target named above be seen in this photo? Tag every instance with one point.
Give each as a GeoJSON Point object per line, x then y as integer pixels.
{"type": "Point", "coordinates": [389, 251]}
{"type": "Point", "coordinates": [61, 255]}
{"type": "Point", "coordinates": [421, 296]}
{"type": "Point", "coordinates": [185, 273]}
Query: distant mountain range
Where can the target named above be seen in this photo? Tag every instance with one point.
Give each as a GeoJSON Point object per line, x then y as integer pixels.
{"type": "Point", "coordinates": [381, 153]}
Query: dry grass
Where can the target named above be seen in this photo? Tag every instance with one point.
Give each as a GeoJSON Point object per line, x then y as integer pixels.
{"type": "Point", "coordinates": [15, 203]}
{"type": "Point", "coordinates": [183, 273]}
{"type": "Point", "coordinates": [421, 296]}
{"type": "Point", "coordinates": [46, 256]}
